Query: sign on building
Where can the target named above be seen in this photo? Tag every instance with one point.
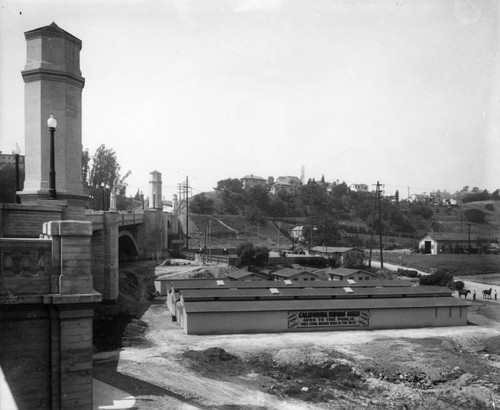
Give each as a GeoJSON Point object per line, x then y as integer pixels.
{"type": "Point", "coordinates": [327, 318]}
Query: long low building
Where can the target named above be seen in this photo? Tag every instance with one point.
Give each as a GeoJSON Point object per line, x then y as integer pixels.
{"type": "Point", "coordinates": [271, 316]}
{"type": "Point", "coordinates": [173, 287]}
{"type": "Point", "coordinates": [219, 306]}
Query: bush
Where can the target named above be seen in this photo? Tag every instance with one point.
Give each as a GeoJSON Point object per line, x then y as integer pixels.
{"type": "Point", "coordinates": [440, 278]}
{"type": "Point", "coordinates": [475, 215]}
{"type": "Point", "coordinates": [489, 207]}
{"type": "Point", "coordinates": [248, 255]}
{"type": "Point", "coordinates": [458, 285]}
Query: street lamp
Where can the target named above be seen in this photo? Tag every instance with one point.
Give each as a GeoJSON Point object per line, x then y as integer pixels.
{"type": "Point", "coordinates": [107, 197]}
{"type": "Point", "coordinates": [102, 196]}
{"type": "Point", "coordinates": [17, 152]}
{"type": "Point", "coordinates": [52, 124]}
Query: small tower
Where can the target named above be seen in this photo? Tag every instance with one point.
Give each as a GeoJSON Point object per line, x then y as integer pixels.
{"type": "Point", "coordinates": [155, 195]}
{"type": "Point", "coordinates": [53, 85]}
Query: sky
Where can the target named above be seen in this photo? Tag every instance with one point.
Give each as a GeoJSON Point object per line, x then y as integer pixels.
{"type": "Point", "coordinates": [403, 92]}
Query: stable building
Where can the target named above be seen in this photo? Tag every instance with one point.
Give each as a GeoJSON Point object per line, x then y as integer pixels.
{"type": "Point", "coordinates": [298, 310]}
{"type": "Point", "coordinates": [222, 306]}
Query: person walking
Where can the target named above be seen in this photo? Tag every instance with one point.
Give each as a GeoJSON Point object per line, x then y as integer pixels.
{"type": "Point", "coordinates": [474, 295]}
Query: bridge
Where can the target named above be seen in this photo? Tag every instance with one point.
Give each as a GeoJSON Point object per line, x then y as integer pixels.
{"type": "Point", "coordinates": [57, 259]}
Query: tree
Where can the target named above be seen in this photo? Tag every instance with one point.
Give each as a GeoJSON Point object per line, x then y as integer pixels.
{"type": "Point", "coordinates": [248, 255]}
{"type": "Point", "coordinates": [8, 183]}
{"type": "Point", "coordinates": [104, 169]}
{"type": "Point", "coordinates": [231, 192]}
{"type": "Point", "coordinates": [475, 215]}
{"type": "Point", "coordinates": [396, 196]}
{"type": "Point", "coordinates": [85, 167]}
{"type": "Point", "coordinates": [200, 204]}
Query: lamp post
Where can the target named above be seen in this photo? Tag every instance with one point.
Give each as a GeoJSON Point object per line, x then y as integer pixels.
{"type": "Point", "coordinates": [17, 152]}
{"type": "Point", "coordinates": [52, 124]}
{"type": "Point", "coordinates": [102, 196]}
{"type": "Point", "coordinates": [107, 197]}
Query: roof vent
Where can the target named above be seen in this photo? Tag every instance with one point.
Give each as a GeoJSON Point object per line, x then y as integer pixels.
{"type": "Point", "coordinates": [348, 290]}
{"type": "Point", "coordinates": [274, 291]}
{"type": "Point", "coordinates": [351, 281]}
{"type": "Point", "coordinates": [288, 282]}
{"type": "Point", "coordinates": [220, 283]}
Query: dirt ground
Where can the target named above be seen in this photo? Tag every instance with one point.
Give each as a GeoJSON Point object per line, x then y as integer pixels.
{"type": "Point", "coordinates": [438, 368]}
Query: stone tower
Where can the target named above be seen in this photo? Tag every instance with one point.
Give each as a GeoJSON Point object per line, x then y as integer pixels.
{"type": "Point", "coordinates": [155, 198]}
{"type": "Point", "coordinates": [53, 84]}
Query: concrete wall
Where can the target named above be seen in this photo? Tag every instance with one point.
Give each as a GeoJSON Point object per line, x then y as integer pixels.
{"type": "Point", "coordinates": [46, 313]}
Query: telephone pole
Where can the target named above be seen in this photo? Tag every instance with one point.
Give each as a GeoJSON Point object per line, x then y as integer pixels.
{"type": "Point", "coordinates": [184, 189]}
{"type": "Point", "coordinates": [379, 196]}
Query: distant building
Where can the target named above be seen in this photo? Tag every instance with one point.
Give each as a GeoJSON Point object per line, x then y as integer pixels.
{"type": "Point", "coordinates": [436, 243]}
{"type": "Point", "coordinates": [359, 187]}
{"type": "Point", "coordinates": [294, 274]}
{"type": "Point", "coordinates": [251, 181]}
{"type": "Point", "coordinates": [10, 159]}
{"type": "Point", "coordinates": [298, 233]}
{"type": "Point", "coordinates": [246, 276]}
{"type": "Point", "coordinates": [287, 184]}
{"type": "Point", "coordinates": [347, 274]}
{"type": "Point", "coordinates": [346, 257]}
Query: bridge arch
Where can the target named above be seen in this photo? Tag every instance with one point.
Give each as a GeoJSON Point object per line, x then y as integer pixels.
{"type": "Point", "coordinates": [127, 246]}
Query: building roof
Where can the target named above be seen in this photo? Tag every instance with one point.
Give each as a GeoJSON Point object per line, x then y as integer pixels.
{"type": "Point", "coordinates": [291, 272]}
{"type": "Point", "coordinates": [343, 271]}
{"type": "Point", "coordinates": [321, 304]}
{"type": "Point", "coordinates": [288, 180]}
{"type": "Point", "coordinates": [449, 236]}
{"type": "Point", "coordinates": [180, 284]}
{"type": "Point", "coordinates": [254, 177]}
{"type": "Point", "coordinates": [244, 274]}
{"type": "Point", "coordinates": [333, 249]}
{"type": "Point", "coordinates": [313, 293]}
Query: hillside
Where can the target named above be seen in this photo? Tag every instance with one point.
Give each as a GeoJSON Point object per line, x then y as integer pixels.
{"type": "Point", "coordinates": [454, 220]}
{"type": "Point", "coordinates": [349, 216]}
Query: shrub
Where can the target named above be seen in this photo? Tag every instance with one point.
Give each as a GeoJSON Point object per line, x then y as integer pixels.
{"type": "Point", "coordinates": [458, 285]}
{"type": "Point", "coordinates": [439, 278]}
{"type": "Point", "coordinates": [475, 215]}
{"type": "Point", "coordinates": [248, 255]}
{"type": "Point", "coordinates": [489, 207]}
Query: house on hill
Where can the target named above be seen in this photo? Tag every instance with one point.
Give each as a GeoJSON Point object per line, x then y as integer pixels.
{"type": "Point", "coordinates": [436, 243]}
{"type": "Point", "coordinates": [346, 257]}
{"type": "Point", "coordinates": [251, 181]}
{"type": "Point", "coordinates": [346, 274]}
{"type": "Point", "coordinates": [287, 184]}
{"type": "Point", "coordinates": [294, 274]}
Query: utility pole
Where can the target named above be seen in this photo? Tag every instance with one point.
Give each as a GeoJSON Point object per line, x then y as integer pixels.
{"type": "Point", "coordinates": [184, 189]}
{"type": "Point", "coordinates": [379, 195]}
{"type": "Point", "coordinates": [312, 215]}
{"type": "Point", "coordinates": [469, 239]}
{"type": "Point", "coordinates": [373, 225]}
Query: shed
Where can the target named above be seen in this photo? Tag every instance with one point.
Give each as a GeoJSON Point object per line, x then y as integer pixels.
{"type": "Point", "coordinates": [436, 243]}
